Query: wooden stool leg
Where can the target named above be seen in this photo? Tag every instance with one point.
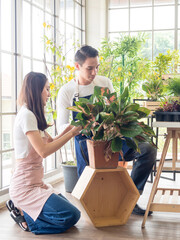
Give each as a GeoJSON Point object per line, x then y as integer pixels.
{"type": "Point", "coordinates": [174, 150]}
{"type": "Point", "coordinates": [159, 170]}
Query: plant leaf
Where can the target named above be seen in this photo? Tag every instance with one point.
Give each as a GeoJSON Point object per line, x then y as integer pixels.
{"type": "Point", "coordinates": [116, 144]}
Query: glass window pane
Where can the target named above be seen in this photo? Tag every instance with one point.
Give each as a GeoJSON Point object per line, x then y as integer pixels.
{"type": "Point", "coordinates": [37, 27]}
{"type": "Point", "coordinates": [5, 24]}
{"type": "Point", "coordinates": [163, 41]}
{"type": "Point", "coordinates": [7, 165]}
{"type": "Point", "coordinates": [69, 36]}
{"type": "Point", "coordinates": [49, 32]}
{"type": "Point", "coordinates": [179, 40]}
{"type": "Point", "coordinates": [178, 16]}
{"type": "Point", "coordinates": [141, 18]}
{"type": "Point", "coordinates": [69, 44]}
{"type": "Point", "coordinates": [26, 66]}
{"type": "Point", "coordinates": [78, 35]}
{"type": "Point", "coordinates": [77, 15]}
{"type": "Point", "coordinates": [49, 6]}
{"type": "Point", "coordinates": [8, 84]}
{"type": "Point", "coordinates": [136, 3]}
{"type": "Point", "coordinates": [118, 3]}
{"type": "Point", "coordinates": [26, 29]}
{"type": "Point", "coordinates": [83, 19]}
{"type": "Point", "coordinates": [39, 3]}
{"type": "Point", "coordinates": [118, 20]}
{"type": "Point", "coordinates": [61, 10]}
{"type": "Point", "coordinates": [70, 11]}
{"type": "Point", "coordinates": [50, 163]}
{"type": "Point", "coordinates": [164, 17]}
{"type": "Point", "coordinates": [61, 36]}
{"type": "Point", "coordinates": [146, 50]}
{"type": "Point", "coordinates": [38, 66]}
{"type": "Point", "coordinates": [163, 2]}
{"type": "Point", "coordinates": [7, 131]}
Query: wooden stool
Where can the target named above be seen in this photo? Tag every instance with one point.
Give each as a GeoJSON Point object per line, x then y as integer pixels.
{"type": "Point", "coordinates": [107, 195]}
{"type": "Point", "coordinates": [165, 199]}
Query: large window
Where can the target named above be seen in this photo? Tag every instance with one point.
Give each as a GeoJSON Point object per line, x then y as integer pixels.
{"type": "Point", "coordinates": [159, 19]}
{"type": "Point", "coordinates": [22, 50]}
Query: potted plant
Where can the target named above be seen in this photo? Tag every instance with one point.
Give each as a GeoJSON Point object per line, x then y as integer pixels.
{"type": "Point", "coordinates": [173, 86]}
{"type": "Point", "coordinates": [59, 74]}
{"type": "Point", "coordinates": [169, 111]}
{"type": "Point", "coordinates": [155, 85]}
{"type": "Point", "coordinates": [110, 120]}
{"type": "Point", "coordinates": [121, 61]}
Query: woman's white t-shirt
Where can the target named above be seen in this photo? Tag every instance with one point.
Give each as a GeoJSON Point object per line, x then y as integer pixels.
{"type": "Point", "coordinates": [25, 121]}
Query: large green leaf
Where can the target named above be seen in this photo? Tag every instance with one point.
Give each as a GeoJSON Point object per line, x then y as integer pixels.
{"type": "Point", "coordinates": [76, 123]}
{"type": "Point", "coordinates": [81, 116]}
{"type": "Point", "coordinates": [74, 108]}
{"type": "Point", "coordinates": [116, 144]}
{"type": "Point", "coordinates": [124, 96]}
{"type": "Point", "coordinates": [132, 107]}
{"type": "Point", "coordinates": [86, 132]}
{"type": "Point", "coordinates": [99, 134]}
{"type": "Point", "coordinates": [83, 100]}
{"type": "Point", "coordinates": [130, 130]}
{"type": "Point", "coordinates": [101, 91]}
{"type": "Point", "coordinates": [143, 112]}
{"type": "Point", "coordinates": [131, 143]}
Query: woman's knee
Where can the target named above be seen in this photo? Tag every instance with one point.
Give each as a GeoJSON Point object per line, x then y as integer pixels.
{"type": "Point", "coordinates": [76, 214]}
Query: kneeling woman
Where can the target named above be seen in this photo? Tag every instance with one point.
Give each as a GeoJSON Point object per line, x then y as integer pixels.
{"type": "Point", "coordinates": [45, 211]}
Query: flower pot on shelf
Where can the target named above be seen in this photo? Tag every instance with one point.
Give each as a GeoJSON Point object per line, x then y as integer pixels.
{"type": "Point", "coordinates": [151, 105]}
{"type": "Point", "coordinates": [167, 116]}
{"type": "Point", "coordinates": [97, 158]}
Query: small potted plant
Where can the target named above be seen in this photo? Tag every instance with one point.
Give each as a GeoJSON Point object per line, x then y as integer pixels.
{"type": "Point", "coordinates": [59, 74]}
{"type": "Point", "coordinates": [168, 111]}
{"type": "Point", "coordinates": [173, 87]}
{"type": "Point", "coordinates": [111, 120]}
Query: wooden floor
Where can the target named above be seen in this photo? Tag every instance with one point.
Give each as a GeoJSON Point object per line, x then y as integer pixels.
{"type": "Point", "coordinates": [158, 226]}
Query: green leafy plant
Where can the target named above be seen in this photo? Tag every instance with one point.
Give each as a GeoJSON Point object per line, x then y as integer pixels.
{"type": "Point", "coordinates": [163, 64]}
{"type": "Point", "coordinates": [60, 73]}
{"type": "Point", "coordinates": [173, 86]}
{"type": "Point", "coordinates": [106, 117]}
{"type": "Point", "coordinates": [121, 61]}
{"type": "Point", "coordinates": [169, 106]}
{"type": "Point", "coordinates": [153, 88]}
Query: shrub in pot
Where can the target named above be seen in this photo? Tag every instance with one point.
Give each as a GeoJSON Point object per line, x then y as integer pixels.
{"type": "Point", "coordinates": [105, 117]}
{"type": "Point", "coordinates": [169, 111]}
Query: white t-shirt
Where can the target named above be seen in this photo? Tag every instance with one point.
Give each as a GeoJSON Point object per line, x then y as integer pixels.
{"type": "Point", "coordinates": [66, 95]}
{"type": "Point", "coordinates": [25, 121]}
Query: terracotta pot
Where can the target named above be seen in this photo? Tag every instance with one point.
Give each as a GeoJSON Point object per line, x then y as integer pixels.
{"type": "Point", "coordinates": [97, 159]}
{"type": "Point", "coordinates": [122, 164]}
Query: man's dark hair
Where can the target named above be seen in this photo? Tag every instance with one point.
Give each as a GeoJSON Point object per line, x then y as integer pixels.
{"type": "Point", "coordinates": [85, 52]}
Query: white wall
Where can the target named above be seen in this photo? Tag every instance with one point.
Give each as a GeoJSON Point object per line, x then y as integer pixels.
{"type": "Point", "coordinates": [96, 21]}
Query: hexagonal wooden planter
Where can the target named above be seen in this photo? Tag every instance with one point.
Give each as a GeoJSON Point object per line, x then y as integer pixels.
{"type": "Point", "coordinates": [107, 195]}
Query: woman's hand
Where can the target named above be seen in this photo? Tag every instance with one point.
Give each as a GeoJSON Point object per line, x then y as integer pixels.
{"type": "Point", "coordinates": [76, 130]}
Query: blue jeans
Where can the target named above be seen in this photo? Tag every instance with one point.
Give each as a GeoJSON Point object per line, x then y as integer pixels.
{"type": "Point", "coordinates": [142, 166]}
{"type": "Point", "coordinates": [57, 215]}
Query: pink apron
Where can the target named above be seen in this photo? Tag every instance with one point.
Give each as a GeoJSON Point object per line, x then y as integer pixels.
{"type": "Point", "coordinates": [27, 189]}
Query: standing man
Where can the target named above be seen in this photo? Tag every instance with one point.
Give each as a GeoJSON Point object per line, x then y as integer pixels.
{"type": "Point", "coordinates": [87, 64]}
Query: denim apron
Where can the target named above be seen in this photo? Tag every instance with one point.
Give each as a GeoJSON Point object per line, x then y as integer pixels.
{"type": "Point", "coordinates": [80, 141]}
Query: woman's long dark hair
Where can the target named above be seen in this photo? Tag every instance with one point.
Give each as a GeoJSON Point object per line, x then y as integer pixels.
{"type": "Point", "coordinates": [30, 95]}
